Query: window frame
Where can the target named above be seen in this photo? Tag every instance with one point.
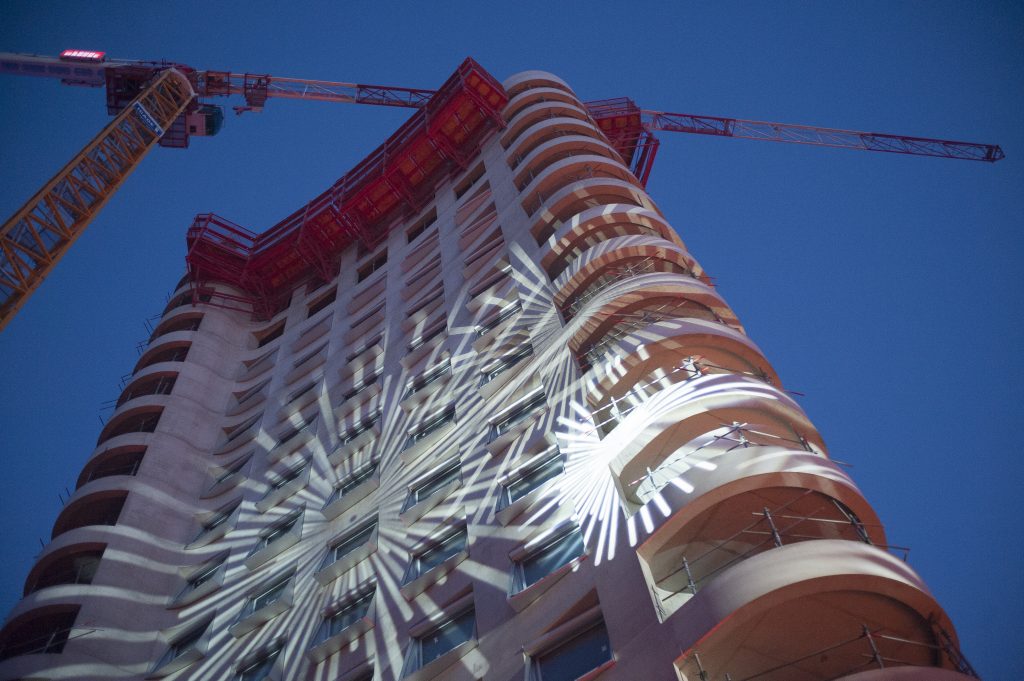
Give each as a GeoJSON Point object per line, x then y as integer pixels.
{"type": "Point", "coordinates": [414, 658]}
{"type": "Point", "coordinates": [537, 659]}
{"type": "Point", "coordinates": [548, 542]}
{"type": "Point", "coordinates": [500, 365]}
{"type": "Point", "coordinates": [521, 410]}
{"type": "Point", "coordinates": [432, 375]}
{"type": "Point", "coordinates": [505, 313]}
{"type": "Point", "coordinates": [438, 478]}
{"type": "Point", "coordinates": [269, 654]}
{"type": "Point", "coordinates": [374, 263]}
{"type": "Point", "coordinates": [277, 531]}
{"type": "Point", "coordinates": [359, 536]}
{"type": "Point", "coordinates": [432, 423]}
{"type": "Point", "coordinates": [542, 460]}
{"type": "Point", "coordinates": [440, 546]}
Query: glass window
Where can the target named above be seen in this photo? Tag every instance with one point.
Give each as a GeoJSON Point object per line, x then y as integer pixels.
{"type": "Point", "coordinates": [322, 303]}
{"type": "Point", "coordinates": [367, 345]}
{"type": "Point", "coordinates": [276, 532]}
{"type": "Point", "coordinates": [361, 386]}
{"type": "Point", "coordinates": [444, 638]}
{"type": "Point", "coordinates": [574, 658]}
{"type": "Point", "coordinates": [252, 392]}
{"type": "Point", "coordinates": [217, 520]}
{"type": "Point", "coordinates": [295, 430]}
{"type": "Point", "coordinates": [285, 479]}
{"type": "Point", "coordinates": [427, 336]}
{"type": "Point", "coordinates": [348, 615]}
{"type": "Point", "coordinates": [450, 472]}
{"type": "Point", "coordinates": [503, 314]}
{"type": "Point", "coordinates": [260, 668]}
{"type": "Point", "coordinates": [498, 367]}
{"type": "Point", "coordinates": [549, 466]}
{"type": "Point", "coordinates": [311, 354]}
{"type": "Point", "coordinates": [518, 414]}
{"type": "Point", "coordinates": [268, 597]}
{"type": "Point", "coordinates": [351, 482]}
{"type": "Point", "coordinates": [231, 470]}
{"type": "Point", "coordinates": [185, 643]}
{"type": "Point", "coordinates": [360, 428]}
{"type": "Point", "coordinates": [269, 335]}
{"type": "Point", "coordinates": [296, 394]}
{"type": "Point", "coordinates": [435, 374]}
{"type": "Point", "coordinates": [438, 553]}
{"type": "Point", "coordinates": [243, 427]}
{"type": "Point", "coordinates": [553, 554]}
{"type": "Point", "coordinates": [430, 425]}
{"type": "Point", "coordinates": [347, 545]}
{"type": "Point", "coordinates": [372, 266]}
{"type": "Point", "coordinates": [421, 226]}
{"type": "Point", "coordinates": [203, 576]}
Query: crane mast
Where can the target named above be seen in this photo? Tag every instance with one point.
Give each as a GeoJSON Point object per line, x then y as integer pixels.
{"type": "Point", "coordinates": [158, 102]}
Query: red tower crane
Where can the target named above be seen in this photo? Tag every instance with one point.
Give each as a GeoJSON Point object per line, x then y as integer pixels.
{"type": "Point", "coordinates": [159, 102]}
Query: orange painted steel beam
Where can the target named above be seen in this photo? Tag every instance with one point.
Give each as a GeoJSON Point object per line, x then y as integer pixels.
{"type": "Point", "coordinates": [35, 238]}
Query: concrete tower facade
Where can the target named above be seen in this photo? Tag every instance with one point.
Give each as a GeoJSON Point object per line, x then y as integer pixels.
{"type": "Point", "coordinates": [513, 435]}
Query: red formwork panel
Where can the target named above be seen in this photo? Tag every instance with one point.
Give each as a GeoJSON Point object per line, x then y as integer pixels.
{"type": "Point", "coordinates": [395, 179]}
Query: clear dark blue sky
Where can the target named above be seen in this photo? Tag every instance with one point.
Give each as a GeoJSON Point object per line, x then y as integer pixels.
{"type": "Point", "coordinates": [886, 288]}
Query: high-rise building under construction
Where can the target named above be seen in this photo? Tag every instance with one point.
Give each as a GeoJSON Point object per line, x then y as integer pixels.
{"type": "Point", "coordinates": [474, 412]}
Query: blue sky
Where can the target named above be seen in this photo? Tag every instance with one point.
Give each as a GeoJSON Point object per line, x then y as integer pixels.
{"type": "Point", "coordinates": [887, 289]}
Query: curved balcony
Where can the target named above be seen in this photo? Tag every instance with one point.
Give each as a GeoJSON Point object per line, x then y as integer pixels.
{"type": "Point", "coordinates": [188, 321]}
{"type": "Point", "coordinates": [533, 95]}
{"type": "Point", "coordinates": [559, 147]}
{"type": "Point", "coordinates": [75, 564]}
{"type": "Point", "coordinates": [673, 351]}
{"type": "Point", "coordinates": [548, 130]}
{"type": "Point", "coordinates": [625, 310]}
{"type": "Point", "coordinates": [141, 419]}
{"type": "Point", "coordinates": [115, 461]}
{"type": "Point", "coordinates": [597, 225]}
{"type": "Point", "coordinates": [612, 263]}
{"type": "Point", "coordinates": [700, 418]}
{"type": "Point", "coordinates": [567, 169]}
{"type": "Point", "coordinates": [99, 508]}
{"type": "Point", "coordinates": [813, 611]}
{"type": "Point", "coordinates": [43, 631]}
{"type": "Point", "coordinates": [539, 112]}
{"type": "Point", "coordinates": [533, 78]}
{"type": "Point", "coordinates": [186, 297]}
{"type": "Point", "coordinates": [718, 509]}
{"type": "Point", "coordinates": [158, 550]}
{"type": "Point", "coordinates": [562, 205]}
{"type": "Point", "coordinates": [172, 348]}
{"type": "Point", "coordinates": [154, 383]}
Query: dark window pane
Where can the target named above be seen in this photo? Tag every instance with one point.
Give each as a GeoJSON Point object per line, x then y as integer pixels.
{"type": "Point", "coordinates": [553, 556]}
{"type": "Point", "coordinates": [352, 543]}
{"type": "Point", "coordinates": [576, 657]}
{"type": "Point", "coordinates": [351, 614]}
{"type": "Point", "coordinates": [535, 477]}
{"type": "Point", "coordinates": [442, 478]}
{"type": "Point", "coordinates": [269, 596]}
{"type": "Point", "coordinates": [447, 636]}
{"type": "Point", "coordinates": [436, 555]}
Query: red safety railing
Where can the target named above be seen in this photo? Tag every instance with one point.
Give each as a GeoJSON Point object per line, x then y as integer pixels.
{"type": "Point", "coordinates": [397, 178]}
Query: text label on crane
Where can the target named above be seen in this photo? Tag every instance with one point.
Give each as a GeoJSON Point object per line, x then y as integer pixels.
{"type": "Point", "coordinates": [148, 119]}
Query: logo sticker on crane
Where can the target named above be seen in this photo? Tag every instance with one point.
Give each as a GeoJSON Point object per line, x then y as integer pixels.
{"type": "Point", "coordinates": [148, 119]}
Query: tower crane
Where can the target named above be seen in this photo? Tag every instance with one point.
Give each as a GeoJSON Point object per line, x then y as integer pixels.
{"type": "Point", "coordinates": [166, 103]}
